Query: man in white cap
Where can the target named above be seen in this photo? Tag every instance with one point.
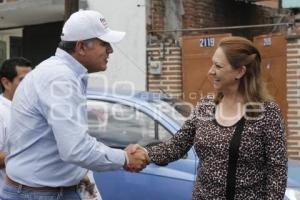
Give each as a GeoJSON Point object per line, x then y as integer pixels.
{"type": "Point", "coordinates": [50, 150]}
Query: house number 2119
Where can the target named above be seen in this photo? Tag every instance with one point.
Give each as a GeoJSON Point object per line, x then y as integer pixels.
{"type": "Point", "coordinates": [207, 42]}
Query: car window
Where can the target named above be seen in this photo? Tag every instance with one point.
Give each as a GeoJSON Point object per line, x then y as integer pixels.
{"type": "Point", "coordinates": [118, 125]}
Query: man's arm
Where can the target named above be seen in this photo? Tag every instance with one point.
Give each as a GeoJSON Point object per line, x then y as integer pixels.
{"type": "Point", "coordinates": [2, 143]}
{"type": "Point", "coordinates": [64, 106]}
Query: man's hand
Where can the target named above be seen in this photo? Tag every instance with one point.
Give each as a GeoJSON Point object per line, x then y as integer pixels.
{"type": "Point", "coordinates": [138, 158]}
{"type": "Point", "coordinates": [2, 159]}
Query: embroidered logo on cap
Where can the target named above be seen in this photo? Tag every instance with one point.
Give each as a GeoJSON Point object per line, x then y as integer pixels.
{"type": "Point", "coordinates": [104, 23]}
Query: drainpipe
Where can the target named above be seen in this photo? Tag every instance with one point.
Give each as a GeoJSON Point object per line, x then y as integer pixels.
{"type": "Point", "coordinates": [279, 5]}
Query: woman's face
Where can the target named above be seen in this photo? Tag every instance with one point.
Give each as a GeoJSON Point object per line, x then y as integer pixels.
{"type": "Point", "coordinates": [223, 76]}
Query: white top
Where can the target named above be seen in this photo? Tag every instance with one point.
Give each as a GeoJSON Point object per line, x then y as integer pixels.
{"type": "Point", "coordinates": [5, 105]}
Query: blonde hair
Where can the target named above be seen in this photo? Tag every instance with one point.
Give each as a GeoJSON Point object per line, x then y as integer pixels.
{"type": "Point", "coordinates": [241, 52]}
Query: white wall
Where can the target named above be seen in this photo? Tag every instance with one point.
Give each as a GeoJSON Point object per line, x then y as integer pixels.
{"type": "Point", "coordinates": [128, 62]}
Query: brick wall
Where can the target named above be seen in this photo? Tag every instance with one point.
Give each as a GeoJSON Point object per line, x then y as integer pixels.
{"type": "Point", "coordinates": [209, 13]}
{"type": "Point", "coordinates": [293, 97]}
{"type": "Point", "coordinates": [216, 13]}
{"type": "Point", "coordinates": [170, 80]}
{"type": "Point", "coordinates": [157, 12]}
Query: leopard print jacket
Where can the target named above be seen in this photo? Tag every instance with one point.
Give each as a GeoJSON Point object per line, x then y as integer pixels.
{"type": "Point", "coordinates": [262, 162]}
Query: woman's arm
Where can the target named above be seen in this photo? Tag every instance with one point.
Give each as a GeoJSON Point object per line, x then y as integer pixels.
{"type": "Point", "coordinates": [276, 153]}
{"type": "Point", "coordinates": [177, 146]}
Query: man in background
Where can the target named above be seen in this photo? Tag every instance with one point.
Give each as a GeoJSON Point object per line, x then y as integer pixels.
{"type": "Point", "coordinates": [12, 72]}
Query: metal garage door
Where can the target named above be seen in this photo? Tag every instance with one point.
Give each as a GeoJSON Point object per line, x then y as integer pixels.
{"type": "Point", "coordinates": [197, 52]}
{"type": "Point", "coordinates": [274, 63]}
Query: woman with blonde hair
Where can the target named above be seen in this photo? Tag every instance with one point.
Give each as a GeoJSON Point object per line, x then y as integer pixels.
{"type": "Point", "coordinates": [238, 135]}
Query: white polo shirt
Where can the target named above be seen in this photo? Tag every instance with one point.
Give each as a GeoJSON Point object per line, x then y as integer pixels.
{"type": "Point", "coordinates": [5, 106]}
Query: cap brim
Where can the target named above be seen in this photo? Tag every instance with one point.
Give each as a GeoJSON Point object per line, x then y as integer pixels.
{"type": "Point", "coordinates": [113, 36]}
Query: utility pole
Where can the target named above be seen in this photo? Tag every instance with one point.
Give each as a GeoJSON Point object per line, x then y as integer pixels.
{"type": "Point", "coordinates": [71, 6]}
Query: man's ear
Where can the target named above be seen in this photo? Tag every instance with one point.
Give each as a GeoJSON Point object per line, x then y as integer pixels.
{"type": "Point", "coordinates": [80, 48]}
{"type": "Point", "coordinates": [5, 82]}
{"type": "Point", "coordinates": [241, 72]}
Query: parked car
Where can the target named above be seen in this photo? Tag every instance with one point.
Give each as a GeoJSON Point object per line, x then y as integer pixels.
{"type": "Point", "coordinates": [118, 119]}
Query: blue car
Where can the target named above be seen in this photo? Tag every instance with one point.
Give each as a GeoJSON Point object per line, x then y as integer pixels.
{"type": "Point", "coordinates": [118, 119]}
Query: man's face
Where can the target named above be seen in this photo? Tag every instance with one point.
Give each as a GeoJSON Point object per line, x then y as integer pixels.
{"type": "Point", "coordinates": [96, 55]}
{"type": "Point", "coordinates": [11, 86]}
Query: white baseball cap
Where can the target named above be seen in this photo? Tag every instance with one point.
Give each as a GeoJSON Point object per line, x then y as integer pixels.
{"type": "Point", "coordinates": [88, 24]}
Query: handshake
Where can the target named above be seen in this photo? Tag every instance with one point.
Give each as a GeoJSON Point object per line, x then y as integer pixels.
{"type": "Point", "coordinates": [137, 158]}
